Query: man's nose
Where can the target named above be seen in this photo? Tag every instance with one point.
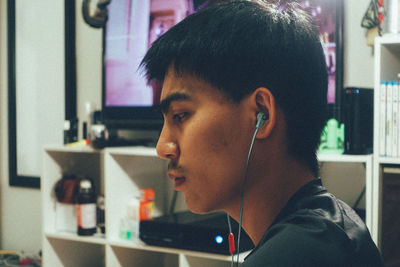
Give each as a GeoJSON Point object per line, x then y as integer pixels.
{"type": "Point", "coordinates": [167, 147]}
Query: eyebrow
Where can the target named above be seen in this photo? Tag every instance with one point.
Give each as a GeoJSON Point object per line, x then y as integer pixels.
{"type": "Point", "coordinates": [166, 102]}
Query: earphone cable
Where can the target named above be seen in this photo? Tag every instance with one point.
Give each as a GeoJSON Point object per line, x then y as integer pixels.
{"type": "Point", "coordinates": [243, 193]}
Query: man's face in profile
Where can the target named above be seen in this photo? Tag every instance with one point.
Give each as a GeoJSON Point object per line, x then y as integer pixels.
{"type": "Point", "coordinates": [206, 138]}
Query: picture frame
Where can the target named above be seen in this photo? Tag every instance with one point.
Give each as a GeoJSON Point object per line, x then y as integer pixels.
{"type": "Point", "coordinates": [36, 114]}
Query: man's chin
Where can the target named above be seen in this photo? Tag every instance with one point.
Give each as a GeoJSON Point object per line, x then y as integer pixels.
{"type": "Point", "coordinates": [199, 209]}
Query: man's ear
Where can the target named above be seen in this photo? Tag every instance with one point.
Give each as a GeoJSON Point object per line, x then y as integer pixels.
{"type": "Point", "coordinates": [264, 101]}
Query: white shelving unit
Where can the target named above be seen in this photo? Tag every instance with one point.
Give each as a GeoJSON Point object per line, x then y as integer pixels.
{"type": "Point", "coordinates": [387, 67]}
{"type": "Point", "coordinates": [118, 173]}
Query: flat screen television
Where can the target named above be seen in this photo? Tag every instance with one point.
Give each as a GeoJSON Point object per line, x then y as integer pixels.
{"type": "Point", "coordinates": [328, 16]}
{"type": "Point", "coordinates": [129, 102]}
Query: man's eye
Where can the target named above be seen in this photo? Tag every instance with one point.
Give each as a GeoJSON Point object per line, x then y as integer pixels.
{"type": "Point", "coordinates": [180, 116]}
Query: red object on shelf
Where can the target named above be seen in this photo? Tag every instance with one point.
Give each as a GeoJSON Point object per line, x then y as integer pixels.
{"type": "Point", "coordinates": [231, 240]}
{"type": "Point", "coordinates": [25, 262]}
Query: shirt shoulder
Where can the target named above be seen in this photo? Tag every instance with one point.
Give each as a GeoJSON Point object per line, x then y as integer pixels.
{"type": "Point", "coordinates": [304, 240]}
{"type": "Point", "coordinates": [330, 235]}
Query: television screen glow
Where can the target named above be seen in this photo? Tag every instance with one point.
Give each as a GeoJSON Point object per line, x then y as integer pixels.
{"type": "Point", "coordinates": [132, 27]}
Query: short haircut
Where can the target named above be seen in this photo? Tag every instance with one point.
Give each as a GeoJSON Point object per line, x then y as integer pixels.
{"type": "Point", "coordinates": [242, 45]}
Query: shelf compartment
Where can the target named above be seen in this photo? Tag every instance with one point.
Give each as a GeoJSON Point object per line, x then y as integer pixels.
{"type": "Point", "coordinates": [69, 253]}
{"type": "Point", "coordinates": [56, 163]}
{"type": "Point", "coordinates": [128, 171]}
{"type": "Point", "coordinates": [126, 256]}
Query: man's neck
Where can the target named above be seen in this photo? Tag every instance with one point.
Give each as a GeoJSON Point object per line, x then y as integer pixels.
{"type": "Point", "coordinates": [267, 193]}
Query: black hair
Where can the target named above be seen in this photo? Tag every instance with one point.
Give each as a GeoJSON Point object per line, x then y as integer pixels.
{"type": "Point", "coordinates": [242, 45]}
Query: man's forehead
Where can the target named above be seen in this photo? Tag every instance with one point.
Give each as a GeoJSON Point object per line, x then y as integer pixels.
{"type": "Point", "coordinates": [191, 85]}
{"type": "Point", "coordinates": [174, 83]}
{"type": "Point", "coordinates": [173, 88]}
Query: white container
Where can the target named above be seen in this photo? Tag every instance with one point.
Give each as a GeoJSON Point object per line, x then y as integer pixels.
{"type": "Point", "coordinates": [65, 217]}
{"type": "Point", "coordinates": [133, 216]}
{"type": "Point", "coordinates": [391, 22]}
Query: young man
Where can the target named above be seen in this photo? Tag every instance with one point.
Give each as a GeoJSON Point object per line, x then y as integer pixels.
{"type": "Point", "coordinates": [220, 68]}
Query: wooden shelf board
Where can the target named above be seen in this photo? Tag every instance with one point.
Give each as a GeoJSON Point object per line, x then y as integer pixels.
{"type": "Point", "coordinates": [344, 158]}
{"type": "Point", "coordinates": [74, 237]}
{"type": "Point", "coordinates": [142, 246]}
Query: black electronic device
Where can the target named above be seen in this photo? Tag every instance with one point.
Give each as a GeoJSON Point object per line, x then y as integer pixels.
{"type": "Point", "coordinates": [186, 230]}
{"type": "Point", "coordinates": [358, 113]}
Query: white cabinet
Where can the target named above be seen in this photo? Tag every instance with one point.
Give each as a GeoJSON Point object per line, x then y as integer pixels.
{"type": "Point", "coordinates": [387, 68]}
{"type": "Point", "coordinates": [119, 174]}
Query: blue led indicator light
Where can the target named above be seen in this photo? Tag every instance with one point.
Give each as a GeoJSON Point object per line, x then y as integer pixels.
{"type": "Point", "coordinates": [219, 239]}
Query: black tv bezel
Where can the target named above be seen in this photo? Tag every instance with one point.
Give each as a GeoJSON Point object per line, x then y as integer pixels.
{"type": "Point", "coordinates": [336, 109]}
{"type": "Point", "coordinates": [127, 117]}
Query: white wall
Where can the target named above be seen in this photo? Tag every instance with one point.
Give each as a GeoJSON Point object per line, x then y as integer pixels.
{"type": "Point", "coordinates": [20, 212]}
{"type": "Point", "coordinates": [358, 57]}
{"type": "Point", "coordinates": [21, 207]}
{"type": "Point", "coordinates": [89, 63]}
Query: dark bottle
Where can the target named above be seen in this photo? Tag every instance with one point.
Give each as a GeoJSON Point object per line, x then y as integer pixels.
{"type": "Point", "coordinates": [86, 208]}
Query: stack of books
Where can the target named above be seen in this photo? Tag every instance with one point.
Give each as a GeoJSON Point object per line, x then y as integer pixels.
{"type": "Point", "coordinates": [389, 129]}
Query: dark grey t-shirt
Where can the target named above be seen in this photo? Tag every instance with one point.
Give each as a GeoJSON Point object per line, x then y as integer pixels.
{"type": "Point", "coordinates": [315, 229]}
